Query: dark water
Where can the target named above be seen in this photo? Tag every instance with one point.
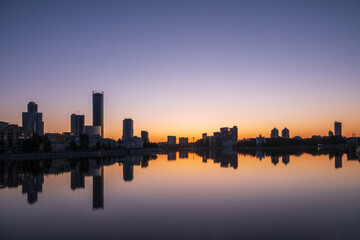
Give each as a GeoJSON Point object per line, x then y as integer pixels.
{"type": "Point", "coordinates": [212, 195]}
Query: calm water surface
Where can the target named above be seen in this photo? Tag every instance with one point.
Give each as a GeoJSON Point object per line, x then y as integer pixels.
{"type": "Point", "coordinates": [213, 195]}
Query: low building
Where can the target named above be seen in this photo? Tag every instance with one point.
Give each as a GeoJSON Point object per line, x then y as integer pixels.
{"type": "Point", "coordinates": [260, 140]}
{"type": "Point", "coordinates": [145, 136]}
{"type": "Point", "coordinates": [285, 133]}
{"type": "Point", "coordinates": [11, 136]}
{"type": "Point", "coordinates": [93, 131]}
{"type": "Point", "coordinates": [183, 141]}
{"type": "Point", "coordinates": [274, 133]}
{"type": "Point", "coordinates": [171, 140]}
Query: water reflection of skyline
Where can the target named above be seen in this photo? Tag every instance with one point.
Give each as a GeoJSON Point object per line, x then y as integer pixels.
{"type": "Point", "coordinates": [30, 174]}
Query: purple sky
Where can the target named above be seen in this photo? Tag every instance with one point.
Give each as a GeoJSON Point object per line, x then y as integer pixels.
{"type": "Point", "coordinates": [184, 67]}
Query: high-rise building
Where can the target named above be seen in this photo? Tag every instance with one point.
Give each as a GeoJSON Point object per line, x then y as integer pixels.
{"type": "Point", "coordinates": [32, 121]}
{"type": "Point", "coordinates": [331, 133]}
{"type": "Point", "coordinates": [234, 133]}
{"type": "Point", "coordinates": [128, 130]}
{"type": "Point", "coordinates": [337, 128]}
{"type": "Point", "coordinates": [274, 133]}
{"type": "Point", "coordinates": [77, 125]}
{"type": "Point", "coordinates": [98, 110]}
{"type": "Point", "coordinates": [285, 133]}
{"type": "Point", "coordinates": [171, 140]}
{"type": "Point", "coordinates": [145, 136]}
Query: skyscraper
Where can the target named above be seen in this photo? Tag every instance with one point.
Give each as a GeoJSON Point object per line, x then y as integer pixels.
{"type": "Point", "coordinates": [32, 121]}
{"type": "Point", "coordinates": [337, 128]}
{"type": "Point", "coordinates": [77, 125]}
{"type": "Point", "coordinates": [128, 130]}
{"type": "Point", "coordinates": [98, 110]}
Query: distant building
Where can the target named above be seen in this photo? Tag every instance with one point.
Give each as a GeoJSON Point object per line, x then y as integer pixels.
{"type": "Point", "coordinates": [77, 125]}
{"type": "Point", "coordinates": [10, 135]}
{"type": "Point", "coordinates": [93, 131]}
{"type": "Point", "coordinates": [337, 128]}
{"type": "Point", "coordinates": [274, 133]}
{"type": "Point", "coordinates": [128, 130]}
{"type": "Point", "coordinates": [171, 140]}
{"type": "Point", "coordinates": [98, 110]}
{"type": "Point", "coordinates": [183, 141]}
{"type": "Point", "coordinates": [145, 136]}
{"type": "Point", "coordinates": [32, 121]}
{"type": "Point", "coordinates": [285, 133]}
{"type": "Point", "coordinates": [331, 134]}
{"type": "Point", "coordinates": [57, 141]}
{"type": "Point", "coordinates": [260, 140]}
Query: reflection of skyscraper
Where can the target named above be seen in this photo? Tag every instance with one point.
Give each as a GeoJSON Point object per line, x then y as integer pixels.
{"type": "Point", "coordinates": [286, 159]}
{"type": "Point", "coordinates": [275, 159]}
{"type": "Point", "coordinates": [32, 121]}
{"type": "Point", "coordinates": [98, 188]}
{"type": "Point", "coordinates": [338, 161]}
{"type": "Point", "coordinates": [171, 156]}
{"type": "Point", "coordinates": [32, 185]}
{"type": "Point", "coordinates": [128, 170]}
{"type": "Point", "coordinates": [98, 110]}
{"type": "Point", "coordinates": [77, 178]}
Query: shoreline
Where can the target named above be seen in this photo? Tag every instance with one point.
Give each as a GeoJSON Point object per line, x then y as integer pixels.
{"type": "Point", "coordinates": [80, 154]}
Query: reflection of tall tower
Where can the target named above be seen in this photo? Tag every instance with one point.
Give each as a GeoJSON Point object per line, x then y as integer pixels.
{"type": "Point", "coordinates": [338, 161]}
{"type": "Point", "coordinates": [77, 178]}
{"type": "Point", "coordinates": [275, 159]}
{"type": "Point", "coordinates": [32, 185]}
{"type": "Point", "coordinates": [98, 188]}
{"type": "Point", "coordinates": [286, 159]}
{"type": "Point", "coordinates": [128, 170]}
{"type": "Point", "coordinates": [98, 110]}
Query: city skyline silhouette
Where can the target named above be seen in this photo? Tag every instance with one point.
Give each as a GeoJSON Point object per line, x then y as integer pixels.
{"type": "Point", "coordinates": [184, 68]}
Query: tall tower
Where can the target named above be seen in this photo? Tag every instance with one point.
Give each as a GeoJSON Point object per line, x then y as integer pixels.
{"type": "Point", "coordinates": [98, 110]}
{"type": "Point", "coordinates": [32, 121]}
{"type": "Point", "coordinates": [128, 129]}
{"type": "Point", "coordinates": [337, 126]}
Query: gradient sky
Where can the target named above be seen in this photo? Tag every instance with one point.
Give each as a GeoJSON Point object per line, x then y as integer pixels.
{"type": "Point", "coordinates": [184, 67]}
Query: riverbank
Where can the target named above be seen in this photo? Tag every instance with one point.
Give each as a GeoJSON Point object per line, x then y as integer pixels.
{"type": "Point", "coordinates": [80, 154]}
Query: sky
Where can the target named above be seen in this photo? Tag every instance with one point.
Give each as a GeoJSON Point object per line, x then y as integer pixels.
{"type": "Point", "coordinates": [184, 67]}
